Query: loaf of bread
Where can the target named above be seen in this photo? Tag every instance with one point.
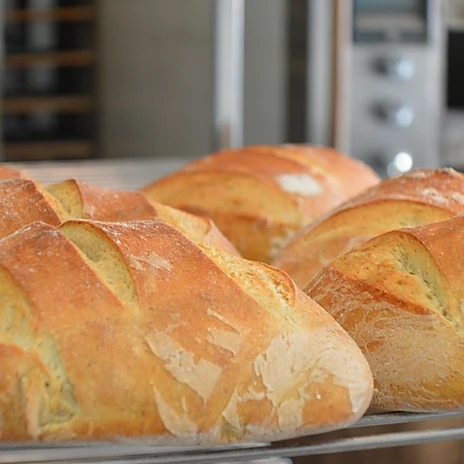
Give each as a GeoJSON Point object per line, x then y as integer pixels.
{"type": "Point", "coordinates": [400, 296]}
{"type": "Point", "coordinates": [7, 173]}
{"type": "Point", "coordinates": [23, 201]}
{"type": "Point", "coordinates": [131, 330]}
{"type": "Point", "coordinates": [259, 196]}
{"type": "Point", "coordinates": [417, 198]}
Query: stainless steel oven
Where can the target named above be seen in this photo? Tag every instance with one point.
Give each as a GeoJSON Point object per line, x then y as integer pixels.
{"type": "Point", "coordinates": [389, 82]}
{"type": "Point", "coordinates": [453, 124]}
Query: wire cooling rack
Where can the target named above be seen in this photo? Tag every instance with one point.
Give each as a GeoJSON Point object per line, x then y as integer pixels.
{"type": "Point", "coordinates": [371, 435]}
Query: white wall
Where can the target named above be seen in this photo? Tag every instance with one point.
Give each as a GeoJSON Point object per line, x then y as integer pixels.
{"type": "Point", "coordinates": [156, 76]}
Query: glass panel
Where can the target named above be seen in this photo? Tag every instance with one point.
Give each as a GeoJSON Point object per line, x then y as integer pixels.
{"type": "Point", "coordinates": [391, 6]}
{"type": "Point", "coordinates": [402, 21]}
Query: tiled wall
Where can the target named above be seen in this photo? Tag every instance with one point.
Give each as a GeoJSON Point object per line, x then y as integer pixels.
{"type": "Point", "coordinates": [156, 76]}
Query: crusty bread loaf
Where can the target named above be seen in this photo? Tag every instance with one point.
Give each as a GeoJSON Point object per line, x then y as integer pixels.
{"type": "Point", "coordinates": [417, 198]}
{"type": "Point", "coordinates": [259, 196]}
{"type": "Point", "coordinates": [111, 330]}
{"type": "Point", "coordinates": [7, 173]}
{"type": "Point", "coordinates": [400, 296]}
{"type": "Point", "coordinates": [23, 201]}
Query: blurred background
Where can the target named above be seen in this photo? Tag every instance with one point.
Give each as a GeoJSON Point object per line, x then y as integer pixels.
{"type": "Point", "coordinates": [379, 79]}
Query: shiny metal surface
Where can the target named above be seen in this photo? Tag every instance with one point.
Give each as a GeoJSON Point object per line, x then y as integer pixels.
{"type": "Point", "coordinates": [320, 40]}
{"type": "Point", "coordinates": [229, 58]}
{"type": "Point", "coordinates": [405, 77]}
{"type": "Point", "coordinates": [144, 453]}
{"type": "Point", "coordinates": [395, 114]}
{"type": "Point", "coordinates": [397, 68]}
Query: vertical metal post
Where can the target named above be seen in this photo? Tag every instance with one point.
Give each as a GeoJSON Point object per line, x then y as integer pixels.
{"type": "Point", "coordinates": [229, 20]}
{"type": "Point", "coordinates": [319, 75]}
{"type": "Point", "coordinates": [342, 74]}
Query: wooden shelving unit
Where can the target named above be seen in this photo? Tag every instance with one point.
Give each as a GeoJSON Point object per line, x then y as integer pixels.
{"type": "Point", "coordinates": [49, 92]}
{"type": "Point", "coordinates": [77, 13]}
{"type": "Point", "coordinates": [27, 105]}
{"type": "Point", "coordinates": [73, 58]}
{"type": "Point", "coordinates": [76, 149]}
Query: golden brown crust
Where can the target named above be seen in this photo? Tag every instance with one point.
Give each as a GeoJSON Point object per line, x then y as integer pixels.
{"type": "Point", "coordinates": [417, 198]}
{"type": "Point", "coordinates": [7, 172]}
{"type": "Point", "coordinates": [400, 297]}
{"type": "Point", "coordinates": [87, 201]}
{"type": "Point", "coordinates": [24, 201]}
{"type": "Point", "coordinates": [196, 228]}
{"type": "Point", "coordinates": [281, 187]}
{"type": "Point", "coordinates": [130, 330]}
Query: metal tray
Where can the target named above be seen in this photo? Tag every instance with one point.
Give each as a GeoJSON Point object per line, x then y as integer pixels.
{"type": "Point", "coordinates": [140, 453]}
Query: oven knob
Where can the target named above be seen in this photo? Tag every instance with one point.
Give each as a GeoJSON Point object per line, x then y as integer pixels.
{"type": "Point", "coordinates": [401, 116]}
{"type": "Point", "coordinates": [391, 163]}
{"type": "Point", "coordinates": [401, 69]}
{"type": "Point", "coordinates": [400, 163]}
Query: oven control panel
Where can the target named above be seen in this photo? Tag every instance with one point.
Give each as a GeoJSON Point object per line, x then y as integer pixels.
{"type": "Point", "coordinates": [396, 84]}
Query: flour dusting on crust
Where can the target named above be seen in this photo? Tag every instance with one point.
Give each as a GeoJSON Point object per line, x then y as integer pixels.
{"type": "Point", "coordinates": [299, 184]}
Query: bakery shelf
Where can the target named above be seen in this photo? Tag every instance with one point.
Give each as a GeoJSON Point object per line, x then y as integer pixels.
{"type": "Point", "coordinates": [144, 453]}
{"type": "Point", "coordinates": [77, 13]}
{"type": "Point", "coordinates": [52, 149]}
{"type": "Point", "coordinates": [71, 58]}
{"type": "Point", "coordinates": [26, 105]}
{"type": "Point", "coordinates": [55, 76]}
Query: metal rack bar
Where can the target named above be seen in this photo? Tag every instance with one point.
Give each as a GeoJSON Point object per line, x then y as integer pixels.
{"type": "Point", "coordinates": [319, 74]}
{"type": "Point", "coordinates": [229, 73]}
{"type": "Point", "coordinates": [377, 420]}
{"type": "Point", "coordinates": [309, 446]}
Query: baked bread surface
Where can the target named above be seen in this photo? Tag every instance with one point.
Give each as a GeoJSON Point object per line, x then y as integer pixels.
{"type": "Point", "coordinates": [413, 199]}
{"type": "Point", "coordinates": [400, 296]}
{"type": "Point", "coordinates": [23, 201]}
{"type": "Point", "coordinates": [7, 172]}
{"type": "Point", "coordinates": [130, 330]}
{"type": "Point", "coordinates": [259, 196]}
